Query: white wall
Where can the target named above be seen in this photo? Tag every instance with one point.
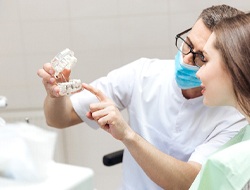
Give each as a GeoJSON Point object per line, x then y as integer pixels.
{"type": "Point", "coordinates": [104, 34]}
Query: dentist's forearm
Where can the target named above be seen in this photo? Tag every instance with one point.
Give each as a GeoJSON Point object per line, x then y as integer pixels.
{"type": "Point", "coordinates": [164, 170]}
{"type": "Point", "coordinates": [59, 112]}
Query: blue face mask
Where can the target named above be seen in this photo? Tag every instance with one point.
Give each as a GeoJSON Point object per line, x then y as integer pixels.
{"type": "Point", "coordinates": [185, 75]}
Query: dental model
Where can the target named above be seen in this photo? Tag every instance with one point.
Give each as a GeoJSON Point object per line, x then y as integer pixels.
{"type": "Point", "coordinates": [67, 88]}
{"type": "Point", "coordinates": [65, 60]}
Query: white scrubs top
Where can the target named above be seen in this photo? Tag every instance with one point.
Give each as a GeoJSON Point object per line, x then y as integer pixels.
{"type": "Point", "coordinates": [184, 129]}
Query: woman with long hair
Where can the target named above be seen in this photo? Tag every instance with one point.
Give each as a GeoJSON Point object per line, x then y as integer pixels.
{"type": "Point", "coordinates": [225, 78]}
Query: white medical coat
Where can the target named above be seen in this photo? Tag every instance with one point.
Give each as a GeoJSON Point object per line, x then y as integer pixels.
{"type": "Point", "coordinates": [184, 129]}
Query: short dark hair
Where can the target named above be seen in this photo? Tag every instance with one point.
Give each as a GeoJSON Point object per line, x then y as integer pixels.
{"type": "Point", "coordinates": [214, 14]}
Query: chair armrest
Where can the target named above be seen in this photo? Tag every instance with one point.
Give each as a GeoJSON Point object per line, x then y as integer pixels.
{"type": "Point", "coordinates": [113, 158]}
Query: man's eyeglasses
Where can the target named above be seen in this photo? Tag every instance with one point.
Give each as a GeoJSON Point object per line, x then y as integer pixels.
{"type": "Point", "coordinates": [186, 48]}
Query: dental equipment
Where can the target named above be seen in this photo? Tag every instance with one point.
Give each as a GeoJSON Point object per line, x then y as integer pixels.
{"type": "Point", "coordinates": [3, 102]}
{"type": "Point", "coordinates": [65, 60]}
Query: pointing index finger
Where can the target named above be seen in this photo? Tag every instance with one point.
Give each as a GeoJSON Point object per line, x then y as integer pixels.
{"type": "Point", "coordinates": [100, 96]}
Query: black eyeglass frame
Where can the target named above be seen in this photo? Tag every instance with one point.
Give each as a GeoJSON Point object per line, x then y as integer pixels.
{"type": "Point", "coordinates": [201, 56]}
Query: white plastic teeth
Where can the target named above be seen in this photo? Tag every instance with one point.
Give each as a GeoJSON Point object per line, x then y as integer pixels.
{"type": "Point", "coordinates": [67, 88]}
{"type": "Point", "coordinates": [65, 60]}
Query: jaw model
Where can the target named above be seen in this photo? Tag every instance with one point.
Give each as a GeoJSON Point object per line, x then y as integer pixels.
{"type": "Point", "coordinates": [65, 60]}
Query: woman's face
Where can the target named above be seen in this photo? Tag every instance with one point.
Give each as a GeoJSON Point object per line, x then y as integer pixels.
{"type": "Point", "coordinates": [217, 87]}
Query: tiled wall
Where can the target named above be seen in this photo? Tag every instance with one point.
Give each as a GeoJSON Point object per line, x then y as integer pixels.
{"type": "Point", "coordinates": [104, 34]}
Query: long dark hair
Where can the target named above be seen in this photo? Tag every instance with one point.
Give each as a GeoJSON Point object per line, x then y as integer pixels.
{"type": "Point", "coordinates": [233, 42]}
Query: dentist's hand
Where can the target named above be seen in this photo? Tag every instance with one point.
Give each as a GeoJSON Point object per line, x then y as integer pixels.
{"type": "Point", "coordinates": [107, 115]}
{"type": "Point", "coordinates": [49, 81]}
